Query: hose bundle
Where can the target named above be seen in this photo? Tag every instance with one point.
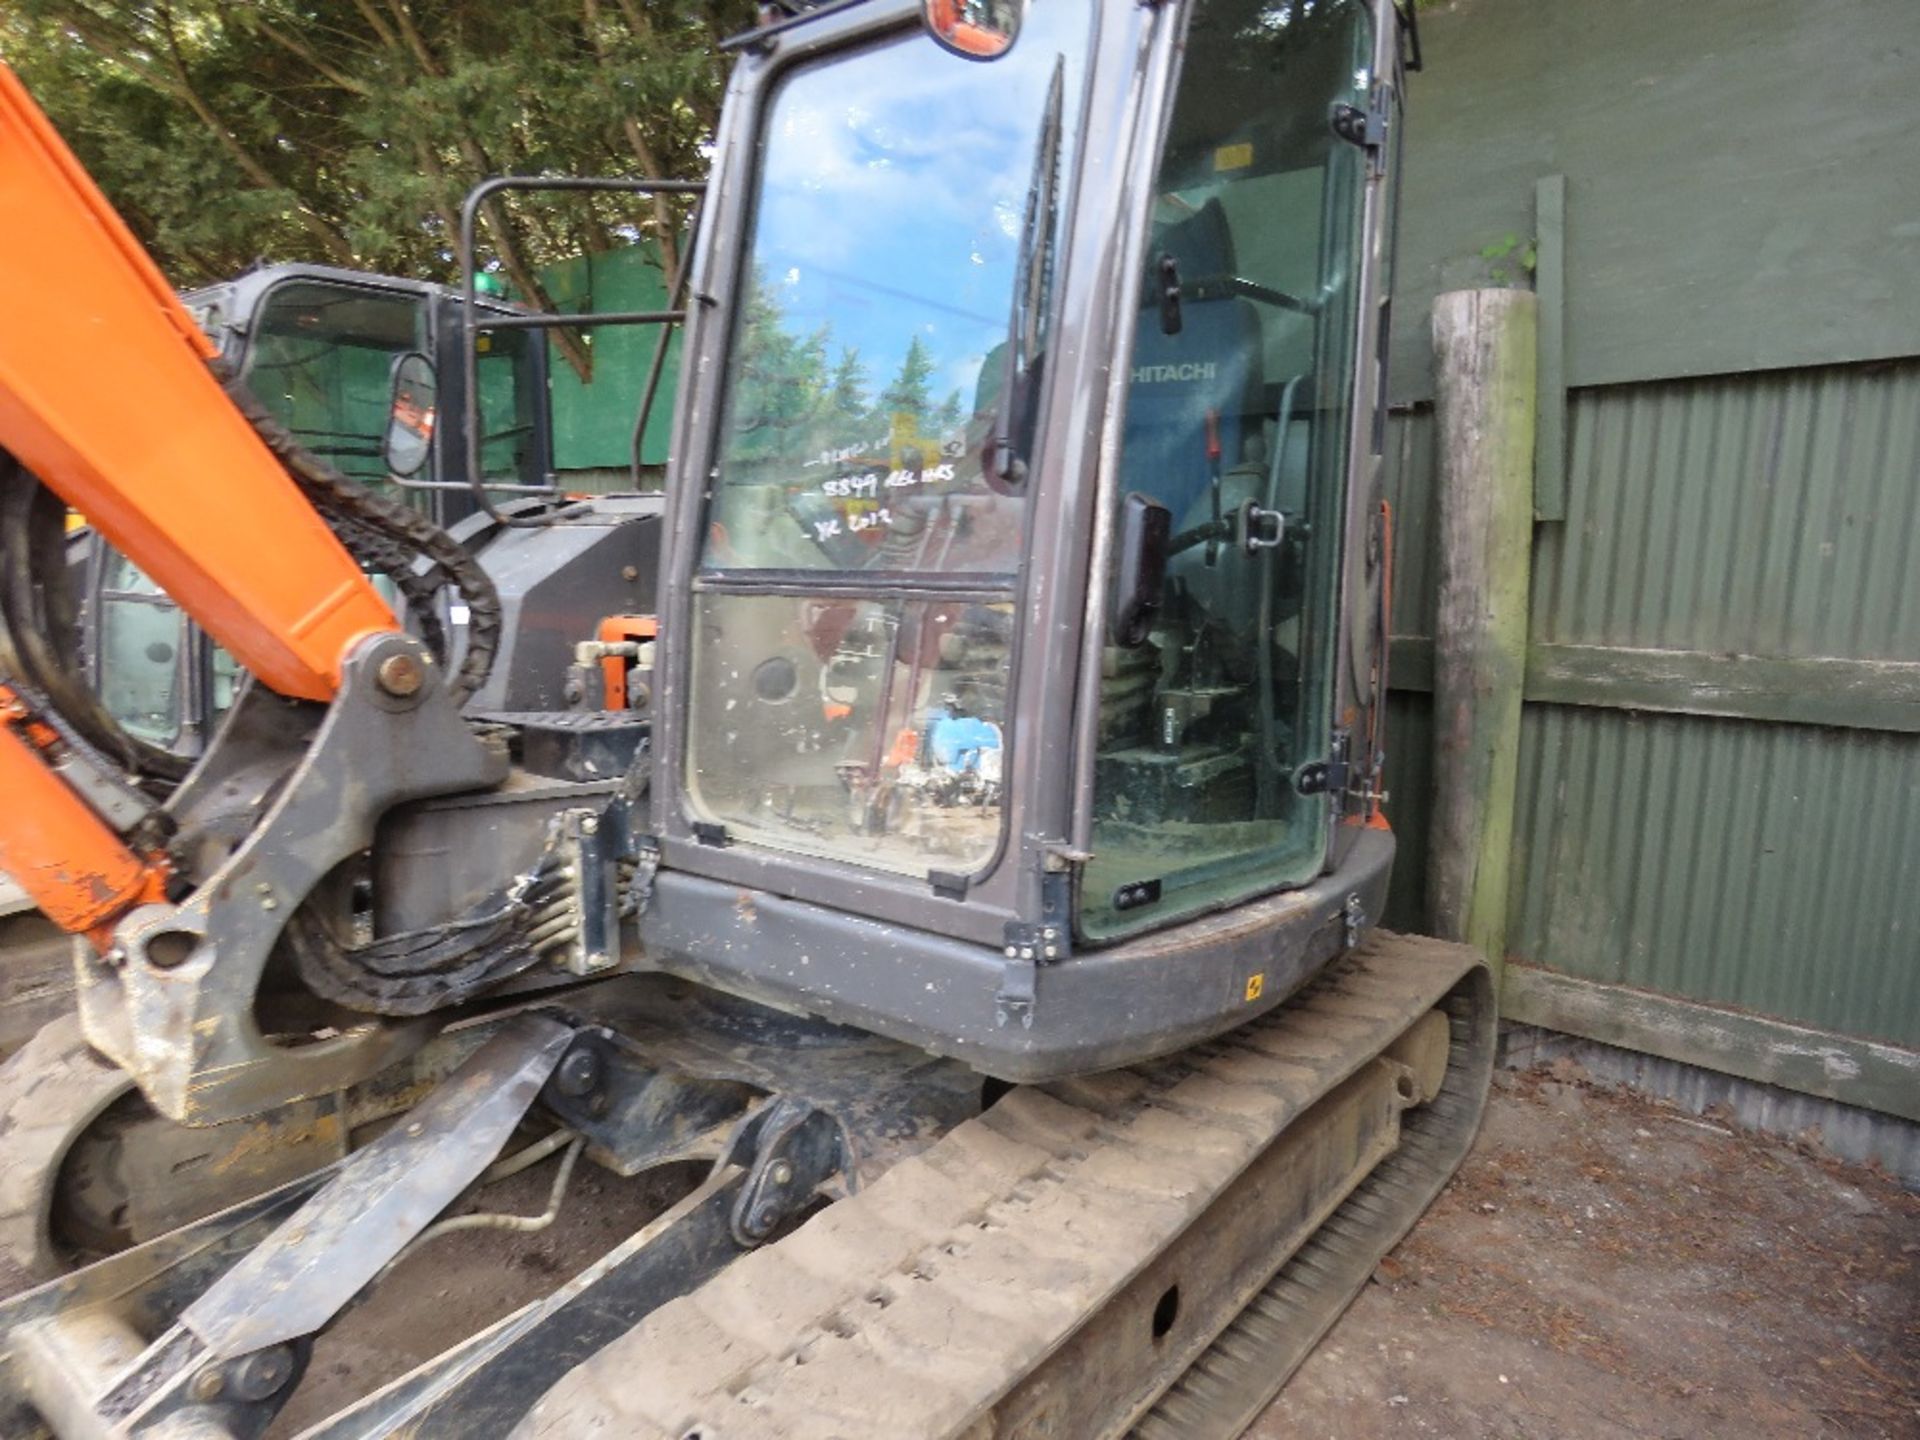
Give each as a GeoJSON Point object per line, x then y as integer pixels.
{"type": "Point", "coordinates": [386, 536]}
{"type": "Point", "coordinates": [40, 626]}
{"type": "Point", "coordinates": [417, 971]}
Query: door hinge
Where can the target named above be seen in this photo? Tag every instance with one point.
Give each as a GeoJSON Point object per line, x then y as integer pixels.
{"type": "Point", "coordinates": [1030, 945]}
{"type": "Point", "coordinates": [1329, 776]}
{"type": "Point", "coordinates": [1365, 127]}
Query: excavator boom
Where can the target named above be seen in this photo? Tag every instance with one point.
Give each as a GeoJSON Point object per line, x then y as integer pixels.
{"type": "Point", "coordinates": [106, 395]}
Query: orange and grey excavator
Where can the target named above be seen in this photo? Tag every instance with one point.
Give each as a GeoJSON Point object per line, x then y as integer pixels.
{"type": "Point", "coordinates": [962, 864]}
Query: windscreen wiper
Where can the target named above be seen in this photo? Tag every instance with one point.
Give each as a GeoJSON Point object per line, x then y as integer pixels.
{"type": "Point", "coordinates": [1033, 282]}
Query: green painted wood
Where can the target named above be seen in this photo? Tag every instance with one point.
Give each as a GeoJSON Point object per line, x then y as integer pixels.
{"type": "Point", "coordinates": [1742, 171]}
{"type": "Point", "coordinates": [1550, 411]}
{"type": "Point", "coordinates": [1816, 690]}
{"type": "Point", "coordinates": [1847, 694]}
{"type": "Point", "coordinates": [1846, 1068]}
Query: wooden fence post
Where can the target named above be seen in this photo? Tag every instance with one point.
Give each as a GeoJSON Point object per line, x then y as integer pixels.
{"type": "Point", "coordinates": [1483, 345]}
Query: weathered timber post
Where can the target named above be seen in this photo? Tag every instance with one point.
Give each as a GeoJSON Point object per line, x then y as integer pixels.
{"type": "Point", "coordinates": [1483, 346]}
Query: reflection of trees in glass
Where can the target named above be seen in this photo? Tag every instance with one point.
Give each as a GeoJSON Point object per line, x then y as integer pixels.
{"type": "Point", "coordinates": [1257, 49]}
{"type": "Point", "coordinates": [848, 399]}
{"type": "Point", "coordinates": [791, 402]}
{"type": "Point", "coordinates": [907, 395]}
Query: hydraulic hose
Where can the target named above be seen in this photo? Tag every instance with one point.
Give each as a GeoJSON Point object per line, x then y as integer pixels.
{"type": "Point", "coordinates": [386, 535]}
{"type": "Point", "coordinates": [40, 625]}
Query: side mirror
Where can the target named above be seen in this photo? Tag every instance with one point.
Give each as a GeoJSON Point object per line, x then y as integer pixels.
{"type": "Point", "coordinates": [1140, 572]}
{"type": "Point", "coordinates": [977, 29]}
{"type": "Point", "coordinates": [410, 414]}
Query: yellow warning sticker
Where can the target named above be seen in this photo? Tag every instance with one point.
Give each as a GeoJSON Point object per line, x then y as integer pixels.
{"type": "Point", "coordinates": [1255, 984]}
{"type": "Point", "coordinates": [1233, 157]}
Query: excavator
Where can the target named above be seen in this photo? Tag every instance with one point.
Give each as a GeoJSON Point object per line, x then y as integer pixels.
{"type": "Point", "coordinates": [947, 830]}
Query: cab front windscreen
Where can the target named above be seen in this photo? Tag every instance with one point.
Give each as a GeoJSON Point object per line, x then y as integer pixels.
{"type": "Point", "coordinates": [856, 607]}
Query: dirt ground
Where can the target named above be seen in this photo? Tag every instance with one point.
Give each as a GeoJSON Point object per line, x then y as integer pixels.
{"type": "Point", "coordinates": [458, 1285]}
{"type": "Point", "coordinates": [1605, 1266]}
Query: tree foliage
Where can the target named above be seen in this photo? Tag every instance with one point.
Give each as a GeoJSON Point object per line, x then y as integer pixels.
{"type": "Point", "coordinates": [348, 131]}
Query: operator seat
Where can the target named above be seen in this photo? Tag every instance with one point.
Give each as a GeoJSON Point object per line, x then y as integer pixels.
{"type": "Point", "coordinates": [1215, 362]}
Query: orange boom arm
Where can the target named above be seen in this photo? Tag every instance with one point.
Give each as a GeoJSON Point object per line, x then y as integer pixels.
{"type": "Point", "coordinates": [106, 396]}
{"type": "Point", "coordinates": [64, 855]}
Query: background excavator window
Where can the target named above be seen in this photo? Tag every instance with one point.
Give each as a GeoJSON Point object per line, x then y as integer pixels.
{"type": "Point", "coordinates": [143, 640]}
{"type": "Point", "coordinates": [322, 362]}
{"type": "Point", "coordinates": [320, 357]}
{"type": "Point", "coordinates": [157, 673]}
{"type": "Point", "coordinates": [890, 337]}
{"type": "Point", "coordinates": [1249, 403]}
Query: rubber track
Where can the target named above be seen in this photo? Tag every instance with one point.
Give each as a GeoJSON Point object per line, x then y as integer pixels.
{"type": "Point", "coordinates": [51, 1089]}
{"type": "Point", "coordinates": [1224, 1391]}
{"type": "Point", "coordinates": [911, 1308]}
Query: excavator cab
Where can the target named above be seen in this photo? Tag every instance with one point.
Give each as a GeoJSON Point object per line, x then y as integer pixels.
{"type": "Point", "coordinates": [321, 349]}
{"type": "Point", "coordinates": [991, 312]}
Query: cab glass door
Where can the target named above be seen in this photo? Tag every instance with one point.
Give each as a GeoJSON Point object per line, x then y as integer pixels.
{"type": "Point", "coordinates": [856, 608]}
{"type": "Point", "coordinates": [1238, 415]}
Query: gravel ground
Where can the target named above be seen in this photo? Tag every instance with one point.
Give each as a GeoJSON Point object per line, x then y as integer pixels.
{"type": "Point", "coordinates": [1604, 1266]}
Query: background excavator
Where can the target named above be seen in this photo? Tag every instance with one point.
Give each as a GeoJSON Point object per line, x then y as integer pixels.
{"type": "Point", "coordinates": [318, 347]}
{"type": "Point", "coordinates": [949, 823]}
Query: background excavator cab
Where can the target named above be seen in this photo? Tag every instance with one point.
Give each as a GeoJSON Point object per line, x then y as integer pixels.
{"type": "Point", "coordinates": [318, 347]}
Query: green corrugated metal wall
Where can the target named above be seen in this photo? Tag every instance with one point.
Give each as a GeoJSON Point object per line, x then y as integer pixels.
{"type": "Point", "coordinates": [1765, 867]}
{"type": "Point", "coordinates": [1772, 514]}
{"type": "Point", "coordinates": [593, 420]}
{"type": "Point", "coordinates": [1719, 778]}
